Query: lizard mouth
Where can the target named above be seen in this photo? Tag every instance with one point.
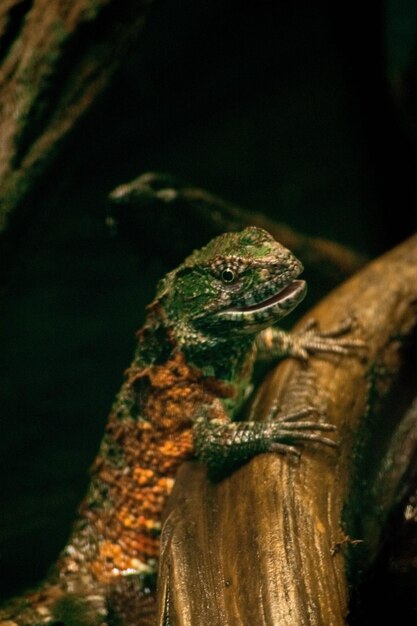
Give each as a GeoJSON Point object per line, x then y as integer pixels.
{"type": "Point", "coordinates": [254, 317]}
{"type": "Point", "coordinates": [285, 296]}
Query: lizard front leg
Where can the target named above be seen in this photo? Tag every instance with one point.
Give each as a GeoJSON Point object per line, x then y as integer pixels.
{"type": "Point", "coordinates": [273, 343]}
{"type": "Point", "coordinates": [223, 445]}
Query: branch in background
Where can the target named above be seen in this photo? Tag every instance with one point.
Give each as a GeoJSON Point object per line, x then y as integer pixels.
{"type": "Point", "coordinates": [55, 58]}
{"type": "Point", "coordinates": [134, 205]}
{"type": "Point", "coordinates": [272, 543]}
{"type": "Point", "coordinates": [393, 575]}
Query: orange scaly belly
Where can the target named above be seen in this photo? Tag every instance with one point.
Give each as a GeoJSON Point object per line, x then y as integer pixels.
{"type": "Point", "coordinates": [135, 470]}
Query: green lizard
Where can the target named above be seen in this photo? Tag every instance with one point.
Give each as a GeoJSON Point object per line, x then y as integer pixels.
{"type": "Point", "coordinates": [211, 319]}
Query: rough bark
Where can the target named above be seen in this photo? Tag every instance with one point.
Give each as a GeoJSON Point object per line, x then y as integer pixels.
{"type": "Point", "coordinates": [277, 542]}
{"type": "Point", "coordinates": [205, 216]}
{"type": "Point", "coordinates": [55, 58]}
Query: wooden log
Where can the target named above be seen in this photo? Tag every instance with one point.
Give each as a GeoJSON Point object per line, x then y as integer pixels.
{"type": "Point", "coordinates": [273, 543]}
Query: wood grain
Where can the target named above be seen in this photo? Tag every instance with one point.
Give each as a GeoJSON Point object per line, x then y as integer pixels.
{"type": "Point", "coordinates": [269, 544]}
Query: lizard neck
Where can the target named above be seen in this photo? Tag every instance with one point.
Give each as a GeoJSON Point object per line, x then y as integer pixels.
{"type": "Point", "coordinates": [229, 361]}
{"type": "Point", "coordinates": [226, 358]}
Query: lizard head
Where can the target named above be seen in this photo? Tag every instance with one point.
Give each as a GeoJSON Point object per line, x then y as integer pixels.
{"type": "Point", "coordinates": [240, 282]}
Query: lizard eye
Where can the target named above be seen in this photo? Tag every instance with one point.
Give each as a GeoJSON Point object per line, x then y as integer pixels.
{"type": "Point", "coordinates": [228, 275]}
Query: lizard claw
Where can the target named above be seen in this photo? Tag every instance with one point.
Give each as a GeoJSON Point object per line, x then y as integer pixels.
{"type": "Point", "coordinates": [310, 340]}
{"type": "Point", "coordinates": [293, 430]}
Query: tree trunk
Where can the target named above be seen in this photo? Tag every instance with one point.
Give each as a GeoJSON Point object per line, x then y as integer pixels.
{"type": "Point", "coordinates": [277, 542]}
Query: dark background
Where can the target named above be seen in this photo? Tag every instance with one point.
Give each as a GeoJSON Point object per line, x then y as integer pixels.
{"type": "Point", "coordinates": [301, 110]}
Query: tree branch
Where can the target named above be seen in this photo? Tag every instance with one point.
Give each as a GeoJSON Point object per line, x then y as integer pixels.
{"type": "Point", "coordinates": [276, 542]}
{"type": "Point", "coordinates": [206, 216]}
{"type": "Point", "coordinates": [55, 58]}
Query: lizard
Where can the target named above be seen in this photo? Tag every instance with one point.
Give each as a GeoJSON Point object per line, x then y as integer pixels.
{"type": "Point", "coordinates": [211, 319]}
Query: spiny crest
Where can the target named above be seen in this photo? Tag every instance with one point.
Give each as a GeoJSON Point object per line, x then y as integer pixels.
{"type": "Point", "coordinates": [252, 242]}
